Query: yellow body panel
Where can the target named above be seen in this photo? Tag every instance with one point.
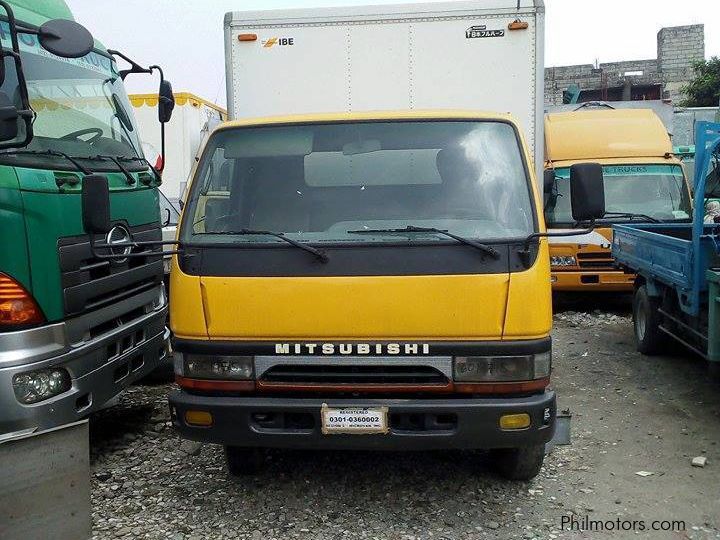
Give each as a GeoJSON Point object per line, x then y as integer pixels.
{"type": "Point", "coordinates": [187, 318]}
{"type": "Point", "coordinates": [602, 278]}
{"type": "Point", "coordinates": [601, 134]}
{"type": "Point", "coordinates": [448, 307]}
{"type": "Point", "coordinates": [347, 308]}
{"type": "Point", "coordinates": [529, 309]}
{"type": "Point", "coordinates": [367, 116]}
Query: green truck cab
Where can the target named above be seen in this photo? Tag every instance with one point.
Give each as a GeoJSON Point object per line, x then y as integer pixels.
{"type": "Point", "coordinates": [76, 325]}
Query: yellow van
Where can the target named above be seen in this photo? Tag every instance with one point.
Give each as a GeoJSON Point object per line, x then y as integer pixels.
{"type": "Point", "coordinates": [644, 181]}
{"type": "Point", "coordinates": [367, 281]}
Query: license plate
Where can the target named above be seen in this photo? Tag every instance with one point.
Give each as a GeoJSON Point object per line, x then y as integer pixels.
{"type": "Point", "coordinates": [354, 420]}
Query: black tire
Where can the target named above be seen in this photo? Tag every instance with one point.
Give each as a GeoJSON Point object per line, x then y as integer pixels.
{"type": "Point", "coordinates": [650, 340]}
{"type": "Point", "coordinates": [243, 461]}
{"type": "Point", "coordinates": [714, 371]}
{"type": "Point", "coordinates": [519, 463]}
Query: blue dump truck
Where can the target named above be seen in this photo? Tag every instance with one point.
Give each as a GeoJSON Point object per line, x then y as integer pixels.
{"type": "Point", "coordinates": [678, 265]}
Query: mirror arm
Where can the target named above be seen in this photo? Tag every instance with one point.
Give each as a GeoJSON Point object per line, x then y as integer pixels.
{"type": "Point", "coordinates": [134, 66]}
{"type": "Point", "coordinates": [525, 253]}
{"type": "Point", "coordinates": [94, 247]}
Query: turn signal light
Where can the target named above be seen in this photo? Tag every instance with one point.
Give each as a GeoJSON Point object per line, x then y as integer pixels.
{"type": "Point", "coordinates": [515, 421]}
{"type": "Point", "coordinates": [517, 24]}
{"type": "Point", "coordinates": [17, 307]}
{"type": "Point", "coordinates": [247, 37]}
{"type": "Point", "coordinates": [198, 418]}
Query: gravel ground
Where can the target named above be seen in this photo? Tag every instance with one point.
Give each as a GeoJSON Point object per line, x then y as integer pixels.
{"type": "Point", "coordinates": [630, 414]}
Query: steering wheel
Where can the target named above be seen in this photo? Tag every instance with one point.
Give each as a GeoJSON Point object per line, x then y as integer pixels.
{"type": "Point", "coordinates": [95, 132]}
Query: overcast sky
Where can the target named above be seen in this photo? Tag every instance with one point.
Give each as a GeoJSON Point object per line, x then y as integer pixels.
{"type": "Point", "coordinates": [185, 36]}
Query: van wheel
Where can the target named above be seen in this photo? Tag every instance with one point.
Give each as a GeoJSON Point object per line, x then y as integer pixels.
{"type": "Point", "coordinates": [519, 463]}
{"type": "Point", "coordinates": [649, 338]}
{"type": "Point", "coordinates": [243, 461]}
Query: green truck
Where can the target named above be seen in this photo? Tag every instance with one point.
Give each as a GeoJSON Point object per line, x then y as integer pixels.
{"type": "Point", "coordinates": [77, 325]}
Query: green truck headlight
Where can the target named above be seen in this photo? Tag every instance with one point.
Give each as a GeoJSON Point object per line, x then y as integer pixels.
{"type": "Point", "coordinates": [36, 386]}
{"type": "Point", "coordinates": [234, 368]}
{"type": "Point", "coordinates": [502, 368]}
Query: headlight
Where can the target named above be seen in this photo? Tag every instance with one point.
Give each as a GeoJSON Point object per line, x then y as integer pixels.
{"type": "Point", "coordinates": [236, 368]}
{"type": "Point", "coordinates": [36, 386]}
{"type": "Point", "coordinates": [563, 261]}
{"type": "Point", "coordinates": [502, 368]}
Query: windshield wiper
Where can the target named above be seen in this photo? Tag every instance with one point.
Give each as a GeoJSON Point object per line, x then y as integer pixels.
{"type": "Point", "coordinates": [130, 178]}
{"type": "Point", "coordinates": [320, 255]}
{"type": "Point", "coordinates": [144, 161]}
{"type": "Point", "coordinates": [54, 153]}
{"type": "Point", "coordinates": [632, 216]}
{"type": "Point", "coordinates": [412, 229]}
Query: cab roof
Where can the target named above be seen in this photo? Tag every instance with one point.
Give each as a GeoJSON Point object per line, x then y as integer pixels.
{"type": "Point", "coordinates": [605, 134]}
{"type": "Point", "coordinates": [370, 116]}
{"type": "Point", "coordinates": [38, 11]}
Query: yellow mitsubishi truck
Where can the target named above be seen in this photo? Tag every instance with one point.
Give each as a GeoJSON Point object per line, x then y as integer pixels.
{"type": "Point", "coordinates": [374, 281]}
{"type": "Point", "coordinates": [644, 181]}
{"type": "Point", "coordinates": [350, 279]}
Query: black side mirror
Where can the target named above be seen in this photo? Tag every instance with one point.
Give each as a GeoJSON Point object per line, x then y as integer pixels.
{"type": "Point", "coordinates": [96, 204]}
{"type": "Point", "coordinates": [166, 102]}
{"type": "Point", "coordinates": [9, 116]}
{"type": "Point", "coordinates": [166, 221]}
{"type": "Point", "coordinates": [587, 191]}
{"type": "Point", "coordinates": [548, 180]}
{"type": "Point", "coordinates": [66, 39]}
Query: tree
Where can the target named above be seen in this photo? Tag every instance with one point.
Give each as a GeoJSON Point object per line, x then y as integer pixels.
{"type": "Point", "coordinates": [704, 89]}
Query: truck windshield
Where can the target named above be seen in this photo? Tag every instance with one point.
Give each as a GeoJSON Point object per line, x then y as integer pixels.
{"type": "Point", "coordinates": [81, 105]}
{"type": "Point", "coordinates": [324, 182]}
{"type": "Point", "coordinates": [657, 191]}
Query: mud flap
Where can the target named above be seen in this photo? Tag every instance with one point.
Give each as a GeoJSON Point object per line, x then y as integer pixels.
{"type": "Point", "coordinates": [562, 431]}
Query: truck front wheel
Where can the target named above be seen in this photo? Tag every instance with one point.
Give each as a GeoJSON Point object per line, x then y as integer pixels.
{"type": "Point", "coordinates": [650, 339]}
{"type": "Point", "coordinates": [243, 461]}
{"type": "Point", "coordinates": [519, 463]}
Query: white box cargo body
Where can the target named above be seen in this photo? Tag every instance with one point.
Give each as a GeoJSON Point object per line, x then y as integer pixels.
{"type": "Point", "coordinates": [449, 55]}
{"type": "Point", "coordinates": [192, 121]}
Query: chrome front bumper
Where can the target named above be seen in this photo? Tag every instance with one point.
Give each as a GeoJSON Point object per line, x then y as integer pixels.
{"type": "Point", "coordinates": [103, 351]}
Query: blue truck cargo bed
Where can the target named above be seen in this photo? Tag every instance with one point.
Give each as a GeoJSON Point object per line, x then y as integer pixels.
{"type": "Point", "coordinates": [673, 261]}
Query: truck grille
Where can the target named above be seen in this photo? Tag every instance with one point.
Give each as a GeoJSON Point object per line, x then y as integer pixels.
{"type": "Point", "coordinates": [349, 375]}
{"type": "Point", "coordinates": [596, 261]}
{"type": "Point", "coordinates": [90, 283]}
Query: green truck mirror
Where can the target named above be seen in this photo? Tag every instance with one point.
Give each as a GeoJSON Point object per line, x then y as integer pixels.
{"type": "Point", "coordinates": [66, 39]}
{"type": "Point", "coordinates": [96, 204]}
{"type": "Point", "coordinates": [166, 102]}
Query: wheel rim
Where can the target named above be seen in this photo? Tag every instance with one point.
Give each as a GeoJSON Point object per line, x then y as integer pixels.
{"type": "Point", "coordinates": [640, 321]}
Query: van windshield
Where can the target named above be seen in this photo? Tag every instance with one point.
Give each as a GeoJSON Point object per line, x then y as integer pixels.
{"type": "Point", "coordinates": [320, 182]}
{"type": "Point", "coordinates": [657, 191]}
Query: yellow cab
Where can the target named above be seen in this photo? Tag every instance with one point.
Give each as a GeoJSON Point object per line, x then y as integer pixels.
{"type": "Point", "coordinates": [643, 181]}
{"type": "Point", "coordinates": [365, 281]}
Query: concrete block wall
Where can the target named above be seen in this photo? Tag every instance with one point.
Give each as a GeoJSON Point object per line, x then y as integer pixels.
{"type": "Point", "coordinates": [678, 47]}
